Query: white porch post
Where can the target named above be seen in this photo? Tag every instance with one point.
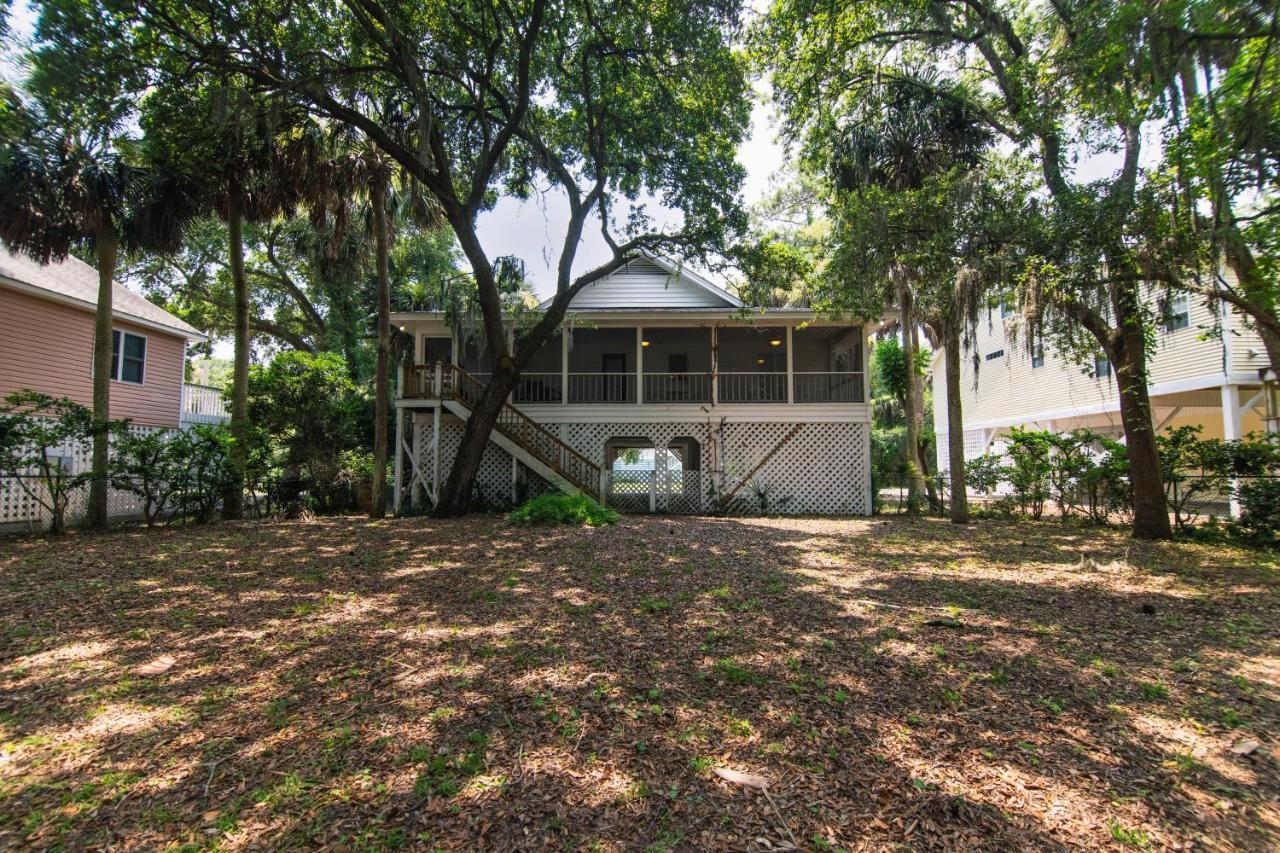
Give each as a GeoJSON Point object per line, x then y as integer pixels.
{"type": "Point", "coordinates": [715, 365]}
{"type": "Point", "coordinates": [791, 382]}
{"type": "Point", "coordinates": [435, 454]}
{"type": "Point", "coordinates": [564, 364]}
{"type": "Point", "coordinates": [1231, 430]}
{"type": "Point", "coordinates": [639, 365]}
{"type": "Point", "coordinates": [399, 468]}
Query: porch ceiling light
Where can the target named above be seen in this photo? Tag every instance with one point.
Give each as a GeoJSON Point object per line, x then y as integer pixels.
{"type": "Point", "coordinates": [775, 342]}
{"type": "Point", "coordinates": [759, 361]}
{"type": "Point", "coordinates": [644, 343]}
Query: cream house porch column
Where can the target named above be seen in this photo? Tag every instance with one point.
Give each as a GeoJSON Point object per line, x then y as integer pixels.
{"type": "Point", "coordinates": [1231, 430]}
{"type": "Point", "coordinates": [399, 467]}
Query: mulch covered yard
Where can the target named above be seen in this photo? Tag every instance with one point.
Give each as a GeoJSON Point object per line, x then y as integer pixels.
{"type": "Point", "coordinates": [472, 685]}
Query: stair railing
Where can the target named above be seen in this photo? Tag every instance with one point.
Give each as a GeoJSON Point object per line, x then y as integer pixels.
{"type": "Point", "coordinates": [454, 383]}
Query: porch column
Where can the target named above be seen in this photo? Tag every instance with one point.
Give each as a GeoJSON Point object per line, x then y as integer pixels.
{"type": "Point", "coordinates": [564, 364]}
{"type": "Point", "coordinates": [1231, 431]}
{"type": "Point", "coordinates": [639, 365]}
{"type": "Point", "coordinates": [435, 454]}
{"type": "Point", "coordinates": [399, 468]}
{"type": "Point", "coordinates": [715, 364]}
{"type": "Point", "coordinates": [791, 381]}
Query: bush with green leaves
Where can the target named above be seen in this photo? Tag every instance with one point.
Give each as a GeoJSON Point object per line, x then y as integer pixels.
{"type": "Point", "coordinates": [176, 475]}
{"type": "Point", "coordinates": [35, 430]}
{"type": "Point", "coordinates": [1030, 469]}
{"type": "Point", "coordinates": [1196, 470]}
{"type": "Point", "coordinates": [308, 407]}
{"type": "Point", "coordinates": [558, 508]}
{"type": "Point", "coordinates": [1192, 468]}
{"type": "Point", "coordinates": [1259, 522]}
{"type": "Point", "coordinates": [1089, 476]}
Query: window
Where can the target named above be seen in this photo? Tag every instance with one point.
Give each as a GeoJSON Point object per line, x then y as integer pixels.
{"type": "Point", "coordinates": [677, 362]}
{"type": "Point", "coordinates": [1037, 356]}
{"type": "Point", "coordinates": [1006, 310]}
{"type": "Point", "coordinates": [128, 357]}
{"type": "Point", "coordinates": [1179, 310]}
{"type": "Point", "coordinates": [992, 356]}
{"type": "Point", "coordinates": [1101, 367]}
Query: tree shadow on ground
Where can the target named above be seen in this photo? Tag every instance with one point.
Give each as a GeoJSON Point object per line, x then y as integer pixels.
{"type": "Point", "coordinates": [472, 684]}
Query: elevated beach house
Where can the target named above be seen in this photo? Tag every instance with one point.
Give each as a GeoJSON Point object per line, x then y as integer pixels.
{"type": "Point", "coordinates": [660, 393]}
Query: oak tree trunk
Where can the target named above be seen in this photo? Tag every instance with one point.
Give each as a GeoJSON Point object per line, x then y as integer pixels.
{"type": "Point", "coordinates": [1128, 354]}
{"type": "Point", "coordinates": [955, 427]}
{"type": "Point", "coordinates": [233, 498]}
{"type": "Point", "coordinates": [105, 251]}
{"type": "Point", "coordinates": [455, 498]}
{"type": "Point", "coordinates": [382, 392]}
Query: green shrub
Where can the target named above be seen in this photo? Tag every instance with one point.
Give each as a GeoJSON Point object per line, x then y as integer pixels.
{"type": "Point", "coordinates": [556, 508]}
{"type": "Point", "coordinates": [1259, 521]}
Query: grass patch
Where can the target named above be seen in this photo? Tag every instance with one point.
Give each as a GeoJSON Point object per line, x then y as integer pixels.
{"type": "Point", "coordinates": [575, 510]}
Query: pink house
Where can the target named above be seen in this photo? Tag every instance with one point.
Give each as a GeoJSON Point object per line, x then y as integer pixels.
{"type": "Point", "coordinates": [46, 341]}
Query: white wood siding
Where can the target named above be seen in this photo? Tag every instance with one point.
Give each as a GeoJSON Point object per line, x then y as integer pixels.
{"type": "Point", "coordinates": [643, 284]}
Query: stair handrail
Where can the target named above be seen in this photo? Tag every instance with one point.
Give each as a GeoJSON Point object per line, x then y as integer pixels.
{"type": "Point", "coordinates": [457, 384]}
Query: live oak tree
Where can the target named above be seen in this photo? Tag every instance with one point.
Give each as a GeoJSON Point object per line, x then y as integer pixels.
{"type": "Point", "coordinates": [1055, 80]}
{"type": "Point", "coordinates": [616, 107]}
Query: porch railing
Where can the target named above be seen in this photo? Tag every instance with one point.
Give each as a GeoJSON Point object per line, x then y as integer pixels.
{"type": "Point", "coordinates": [677, 388]}
{"type": "Point", "coordinates": [828, 387]}
{"type": "Point", "coordinates": [734, 387]}
{"type": "Point", "coordinates": [203, 404]}
{"type": "Point", "coordinates": [602, 387]}
{"type": "Point", "coordinates": [538, 388]}
{"type": "Point", "coordinates": [752, 387]}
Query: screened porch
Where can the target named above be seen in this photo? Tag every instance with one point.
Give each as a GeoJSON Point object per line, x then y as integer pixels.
{"type": "Point", "coordinates": [671, 365]}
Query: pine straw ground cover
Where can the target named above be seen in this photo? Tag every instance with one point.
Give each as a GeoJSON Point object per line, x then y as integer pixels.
{"type": "Point", "coordinates": [475, 685]}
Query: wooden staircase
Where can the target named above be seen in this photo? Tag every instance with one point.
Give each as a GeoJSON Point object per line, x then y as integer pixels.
{"type": "Point", "coordinates": [521, 436]}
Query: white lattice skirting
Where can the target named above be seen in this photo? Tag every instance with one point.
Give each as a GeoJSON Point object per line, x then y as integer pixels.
{"type": "Point", "coordinates": [19, 512]}
{"type": "Point", "coordinates": [823, 469]}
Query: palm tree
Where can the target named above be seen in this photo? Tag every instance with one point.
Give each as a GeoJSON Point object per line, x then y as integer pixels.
{"type": "Point", "coordinates": [251, 158]}
{"type": "Point", "coordinates": [60, 190]}
{"type": "Point", "coordinates": [910, 129]}
{"type": "Point", "coordinates": [358, 171]}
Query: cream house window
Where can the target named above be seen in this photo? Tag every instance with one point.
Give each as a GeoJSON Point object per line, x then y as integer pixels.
{"type": "Point", "coordinates": [1179, 313]}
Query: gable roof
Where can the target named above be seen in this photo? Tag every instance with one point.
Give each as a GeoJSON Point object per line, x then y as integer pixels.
{"type": "Point", "coordinates": [650, 282]}
{"type": "Point", "coordinates": [73, 281]}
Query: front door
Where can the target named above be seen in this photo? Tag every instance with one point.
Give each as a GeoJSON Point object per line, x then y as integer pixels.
{"type": "Point", "coordinates": [614, 367]}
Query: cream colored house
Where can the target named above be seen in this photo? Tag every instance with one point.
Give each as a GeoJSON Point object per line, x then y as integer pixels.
{"type": "Point", "coordinates": [1197, 377]}
{"type": "Point", "coordinates": [660, 393]}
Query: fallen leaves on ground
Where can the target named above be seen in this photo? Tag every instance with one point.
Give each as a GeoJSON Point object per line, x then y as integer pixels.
{"type": "Point", "coordinates": [467, 684]}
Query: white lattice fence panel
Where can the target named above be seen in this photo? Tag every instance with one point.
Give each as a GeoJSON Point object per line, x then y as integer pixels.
{"type": "Point", "coordinates": [823, 470]}
{"type": "Point", "coordinates": [493, 480]}
{"type": "Point", "coordinates": [19, 509]}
